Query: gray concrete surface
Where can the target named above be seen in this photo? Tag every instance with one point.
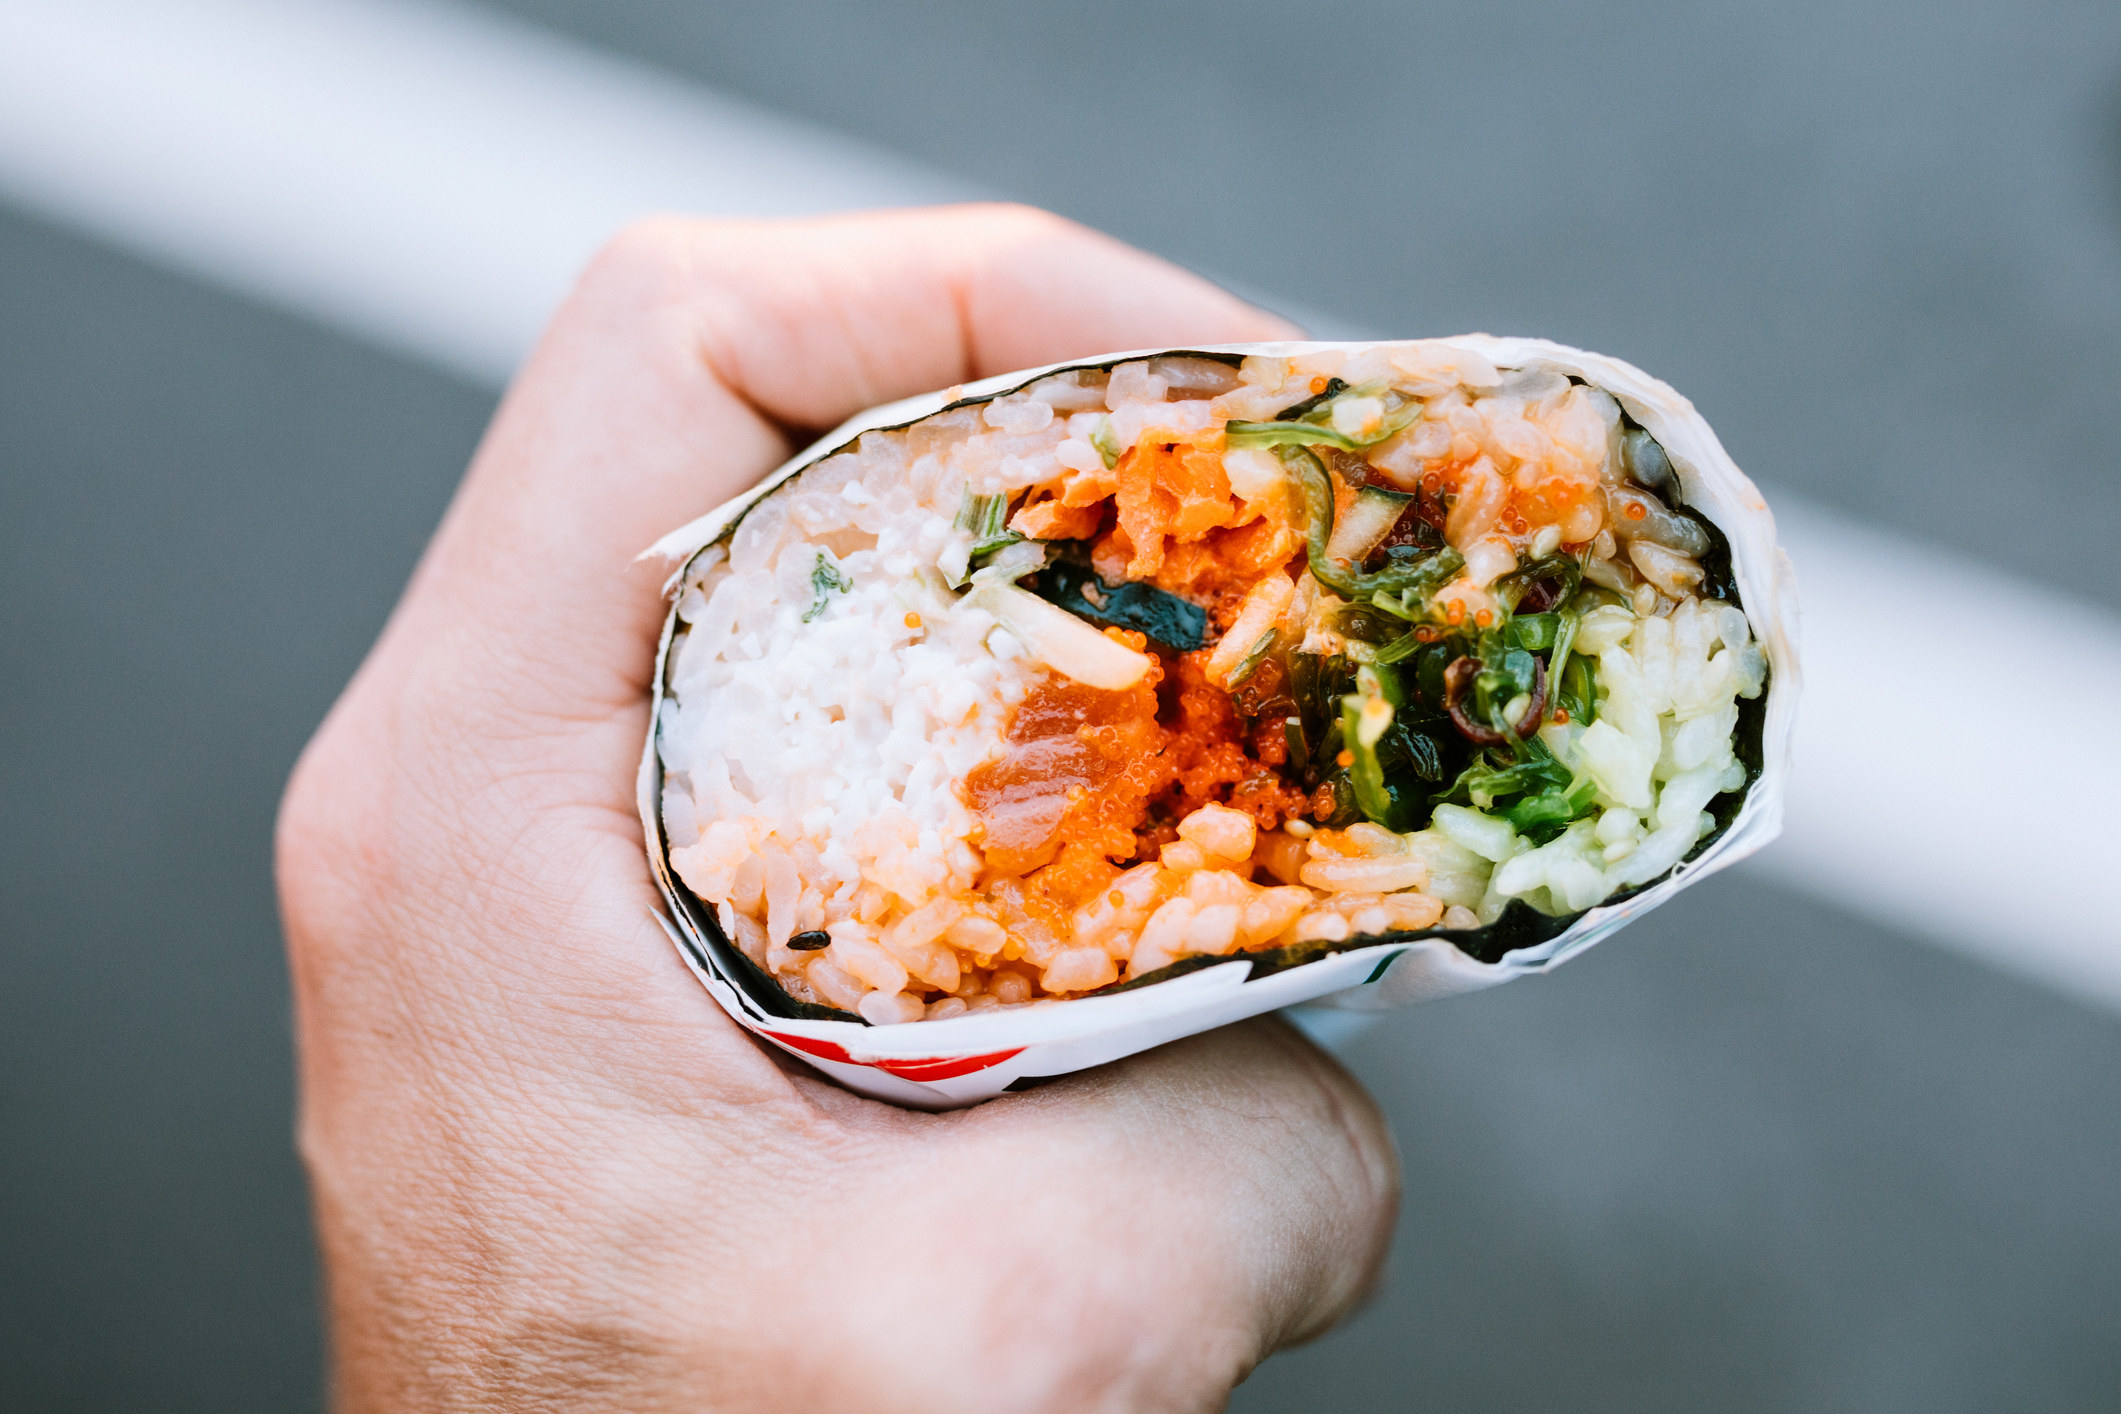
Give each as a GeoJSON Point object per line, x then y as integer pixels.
{"type": "Point", "coordinates": [1749, 1155]}
{"type": "Point", "coordinates": [205, 513]}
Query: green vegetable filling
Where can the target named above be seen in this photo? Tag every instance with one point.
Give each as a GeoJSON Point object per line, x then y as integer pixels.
{"type": "Point", "coordinates": [825, 580]}
{"type": "Point", "coordinates": [987, 517]}
{"type": "Point", "coordinates": [1310, 422]}
{"type": "Point", "coordinates": [1372, 730]}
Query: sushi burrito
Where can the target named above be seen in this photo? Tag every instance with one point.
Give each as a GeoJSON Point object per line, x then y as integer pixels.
{"type": "Point", "coordinates": [1023, 726]}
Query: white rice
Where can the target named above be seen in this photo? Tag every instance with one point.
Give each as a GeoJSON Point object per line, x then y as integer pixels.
{"type": "Point", "coordinates": [838, 741]}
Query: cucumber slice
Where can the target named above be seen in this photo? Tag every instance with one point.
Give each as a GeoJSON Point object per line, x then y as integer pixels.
{"type": "Point", "coordinates": [1366, 523]}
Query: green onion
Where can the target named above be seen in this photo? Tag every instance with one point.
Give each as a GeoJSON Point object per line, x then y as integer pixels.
{"type": "Point", "coordinates": [1365, 716]}
{"type": "Point", "coordinates": [987, 517]}
{"type": "Point", "coordinates": [825, 579]}
{"type": "Point", "coordinates": [1106, 441]}
{"type": "Point", "coordinates": [1249, 664]}
{"type": "Point", "coordinates": [1533, 631]}
{"type": "Point", "coordinates": [1292, 732]}
{"type": "Point", "coordinates": [1400, 649]}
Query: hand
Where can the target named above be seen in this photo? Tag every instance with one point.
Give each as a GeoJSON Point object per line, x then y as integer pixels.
{"type": "Point", "coordinates": [548, 1171]}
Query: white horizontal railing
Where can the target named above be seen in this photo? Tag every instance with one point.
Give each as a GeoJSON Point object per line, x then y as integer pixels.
{"type": "Point", "coordinates": [431, 178]}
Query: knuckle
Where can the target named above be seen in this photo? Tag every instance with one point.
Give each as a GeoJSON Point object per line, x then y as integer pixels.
{"type": "Point", "coordinates": [1012, 223]}
{"type": "Point", "coordinates": [650, 256]}
{"type": "Point", "coordinates": [328, 826]}
{"type": "Point", "coordinates": [302, 832]}
{"type": "Point", "coordinates": [646, 243]}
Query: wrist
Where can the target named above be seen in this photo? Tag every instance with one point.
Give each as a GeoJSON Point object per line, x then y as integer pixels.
{"type": "Point", "coordinates": [461, 1294]}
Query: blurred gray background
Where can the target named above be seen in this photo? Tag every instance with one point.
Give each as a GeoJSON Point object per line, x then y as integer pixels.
{"type": "Point", "coordinates": [1750, 1155]}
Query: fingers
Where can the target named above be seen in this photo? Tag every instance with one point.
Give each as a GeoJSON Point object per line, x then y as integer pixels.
{"type": "Point", "coordinates": [1284, 1156]}
{"type": "Point", "coordinates": [694, 354]}
{"type": "Point", "coordinates": [839, 315]}
{"type": "Point", "coordinates": [1184, 1212]}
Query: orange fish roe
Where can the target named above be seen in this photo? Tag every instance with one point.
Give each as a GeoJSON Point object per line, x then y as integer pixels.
{"type": "Point", "coordinates": [1092, 776]}
{"type": "Point", "coordinates": [1037, 909]}
{"type": "Point", "coordinates": [1213, 761]}
{"type": "Point", "coordinates": [1522, 502]}
{"type": "Point", "coordinates": [1079, 766]}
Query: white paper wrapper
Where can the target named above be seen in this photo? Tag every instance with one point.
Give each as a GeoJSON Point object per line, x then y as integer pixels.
{"type": "Point", "coordinates": [965, 1059]}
